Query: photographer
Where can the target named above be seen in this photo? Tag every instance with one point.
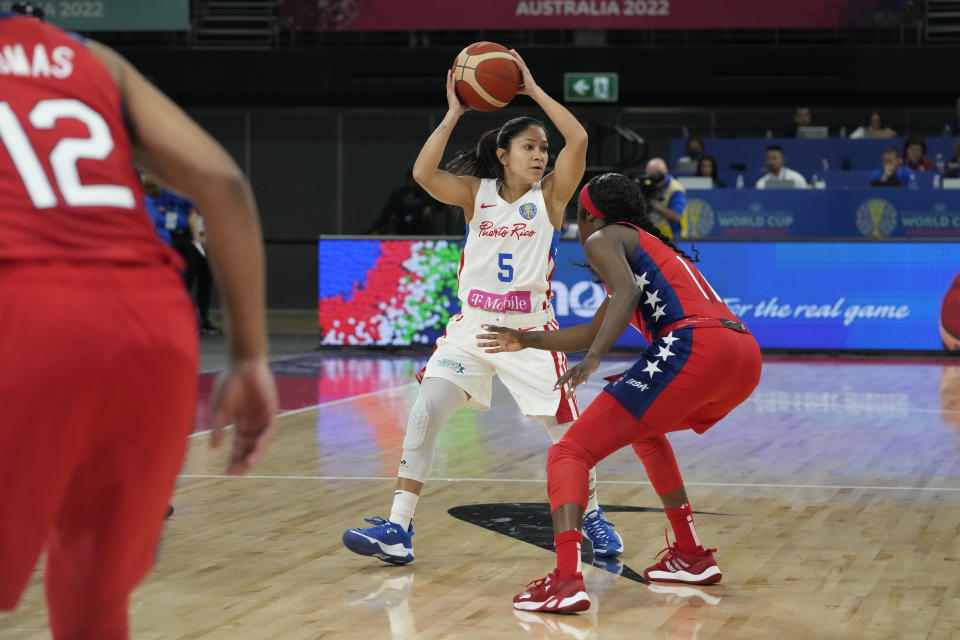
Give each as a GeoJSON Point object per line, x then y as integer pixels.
{"type": "Point", "coordinates": [665, 195]}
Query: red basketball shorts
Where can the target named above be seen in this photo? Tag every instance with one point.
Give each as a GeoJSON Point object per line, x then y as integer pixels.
{"type": "Point", "coordinates": [99, 388]}
{"type": "Point", "coordinates": [688, 379]}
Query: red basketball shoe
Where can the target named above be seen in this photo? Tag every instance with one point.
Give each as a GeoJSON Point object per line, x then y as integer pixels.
{"type": "Point", "coordinates": [554, 595]}
{"type": "Point", "coordinates": [698, 567]}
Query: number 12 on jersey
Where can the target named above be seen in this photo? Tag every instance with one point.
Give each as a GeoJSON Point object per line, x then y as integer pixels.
{"type": "Point", "coordinates": [64, 157]}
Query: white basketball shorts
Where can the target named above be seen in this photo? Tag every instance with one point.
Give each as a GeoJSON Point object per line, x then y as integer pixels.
{"type": "Point", "coordinates": [528, 374]}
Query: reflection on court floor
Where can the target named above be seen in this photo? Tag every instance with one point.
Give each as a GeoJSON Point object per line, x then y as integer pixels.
{"type": "Point", "coordinates": [832, 495]}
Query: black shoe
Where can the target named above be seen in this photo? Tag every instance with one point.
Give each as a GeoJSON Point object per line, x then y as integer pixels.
{"type": "Point", "coordinates": [169, 511]}
{"type": "Point", "coordinates": [207, 329]}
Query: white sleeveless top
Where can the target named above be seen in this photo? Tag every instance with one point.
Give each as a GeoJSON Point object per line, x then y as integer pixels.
{"type": "Point", "coordinates": [509, 255]}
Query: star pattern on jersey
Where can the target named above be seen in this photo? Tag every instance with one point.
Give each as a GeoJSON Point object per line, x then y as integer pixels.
{"type": "Point", "coordinates": [659, 311]}
{"type": "Point", "coordinates": [653, 298]}
{"type": "Point", "coordinates": [665, 353]}
{"type": "Point", "coordinates": [669, 339]}
{"type": "Point", "coordinates": [641, 280]}
{"type": "Point", "coordinates": [652, 368]}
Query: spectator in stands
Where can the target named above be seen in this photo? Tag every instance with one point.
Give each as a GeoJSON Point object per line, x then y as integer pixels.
{"type": "Point", "coordinates": [776, 170]}
{"type": "Point", "coordinates": [915, 154]}
{"type": "Point", "coordinates": [954, 127]}
{"type": "Point", "coordinates": [874, 128]}
{"type": "Point", "coordinates": [892, 174]}
{"type": "Point", "coordinates": [694, 151]}
{"type": "Point", "coordinates": [801, 118]}
{"type": "Point", "coordinates": [707, 168]}
{"type": "Point", "coordinates": [669, 199]}
{"type": "Point", "coordinates": [953, 165]}
{"type": "Point", "coordinates": [408, 211]}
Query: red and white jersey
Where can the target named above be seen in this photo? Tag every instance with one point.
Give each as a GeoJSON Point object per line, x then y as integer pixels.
{"type": "Point", "coordinates": [509, 254]}
{"type": "Point", "coordinates": [68, 189]}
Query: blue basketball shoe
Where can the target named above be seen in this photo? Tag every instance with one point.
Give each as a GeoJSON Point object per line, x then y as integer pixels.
{"type": "Point", "coordinates": [606, 541]}
{"type": "Point", "coordinates": [385, 540]}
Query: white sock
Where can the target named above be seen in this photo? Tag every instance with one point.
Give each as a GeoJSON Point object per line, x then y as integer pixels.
{"type": "Point", "coordinates": [592, 503]}
{"type": "Point", "coordinates": [404, 506]}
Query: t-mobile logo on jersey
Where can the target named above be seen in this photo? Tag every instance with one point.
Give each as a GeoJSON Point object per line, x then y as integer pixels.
{"type": "Point", "coordinates": [510, 301]}
{"type": "Point", "coordinates": [517, 230]}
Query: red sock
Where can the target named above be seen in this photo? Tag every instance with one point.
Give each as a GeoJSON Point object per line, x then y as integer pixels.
{"type": "Point", "coordinates": [681, 519]}
{"type": "Point", "coordinates": [567, 545]}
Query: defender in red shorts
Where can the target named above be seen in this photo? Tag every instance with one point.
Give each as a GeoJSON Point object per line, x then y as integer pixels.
{"type": "Point", "coordinates": [701, 363]}
{"type": "Point", "coordinates": [95, 325]}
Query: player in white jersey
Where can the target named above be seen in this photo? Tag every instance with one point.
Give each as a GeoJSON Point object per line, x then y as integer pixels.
{"type": "Point", "coordinates": [514, 213]}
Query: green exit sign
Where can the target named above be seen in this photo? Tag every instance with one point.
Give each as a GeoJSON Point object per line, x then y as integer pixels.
{"type": "Point", "coordinates": [591, 87]}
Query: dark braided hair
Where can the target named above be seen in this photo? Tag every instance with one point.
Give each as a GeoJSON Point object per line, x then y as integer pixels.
{"type": "Point", "coordinates": [619, 199]}
{"type": "Point", "coordinates": [482, 161]}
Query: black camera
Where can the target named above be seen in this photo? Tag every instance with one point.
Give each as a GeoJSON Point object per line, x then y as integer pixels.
{"type": "Point", "coordinates": [649, 184]}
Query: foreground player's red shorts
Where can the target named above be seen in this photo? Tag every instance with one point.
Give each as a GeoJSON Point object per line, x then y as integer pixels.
{"type": "Point", "coordinates": [98, 385]}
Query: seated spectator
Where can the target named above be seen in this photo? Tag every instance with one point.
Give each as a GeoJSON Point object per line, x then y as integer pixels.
{"type": "Point", "coordinates": [892, 174]}
{"type": "Point", "coordinates": [408, 211]}
{"type": "Point", "coordinates": [686, 164]}
{"type": "Point", "coordinates": [915, 155]}
{"type": "Point", "coordinates": [875, 128]}
{"type": "Point", "coordinates": [777, 171]}
{"type": "Point", "coordinates": [707, 168]}
{"type": "Point", "coordinates": [953, 165]}
{"type": "Point", "coordinates": [954, 127]}
{"type": "Point", "coordinates": [801, 118]}
{"type": "Point", "coordinates": [668, 201]}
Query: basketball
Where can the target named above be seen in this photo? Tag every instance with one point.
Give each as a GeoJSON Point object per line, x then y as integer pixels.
{"type": "Point", "coordinates": [487, 76]}
{"type": "Point", "coordinates": [950, 317]}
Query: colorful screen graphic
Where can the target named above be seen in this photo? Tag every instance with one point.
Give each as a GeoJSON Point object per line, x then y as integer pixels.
{"type": "Point", "coordinates": [386, 292]}
{"type": "Point", "coordinates": [800, 295]}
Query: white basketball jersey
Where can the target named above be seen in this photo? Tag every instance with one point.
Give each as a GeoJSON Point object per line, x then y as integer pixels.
{"type": "Point", "coordinates": [508, 258]}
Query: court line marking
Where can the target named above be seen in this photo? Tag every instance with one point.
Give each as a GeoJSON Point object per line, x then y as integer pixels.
{"type": "Point", "coordinates": [292, 412]}
{"type": "Point", "coordinates": [214, 371]}
{"type": "Point", "coordinates": [543, 481]}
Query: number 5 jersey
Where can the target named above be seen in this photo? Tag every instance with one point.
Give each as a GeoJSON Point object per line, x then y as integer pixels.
{"type": "Point", "coordinates": [507, 261]}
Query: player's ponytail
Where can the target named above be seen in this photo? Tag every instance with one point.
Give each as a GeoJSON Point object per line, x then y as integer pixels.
{"type": "Point", "coordinates": [482, 161]}
{"type": "Point", "coordinates": [619, 199]}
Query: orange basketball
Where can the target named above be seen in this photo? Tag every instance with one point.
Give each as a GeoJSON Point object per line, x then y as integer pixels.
{"type": "Point", "coordinates": [487, 76]}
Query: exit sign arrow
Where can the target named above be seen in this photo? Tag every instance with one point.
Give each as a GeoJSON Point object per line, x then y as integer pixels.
{"type": "Point", "coordinates": [591, 87]}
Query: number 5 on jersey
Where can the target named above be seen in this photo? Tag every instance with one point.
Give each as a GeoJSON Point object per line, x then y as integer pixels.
{"type": "Point", "coordinates": [64, 157]}
{"type": "Point", "coordinates": [506, 269]}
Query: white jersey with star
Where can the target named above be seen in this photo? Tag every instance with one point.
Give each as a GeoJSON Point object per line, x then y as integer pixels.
{"type": "Point", "coordinates": [508, 257]}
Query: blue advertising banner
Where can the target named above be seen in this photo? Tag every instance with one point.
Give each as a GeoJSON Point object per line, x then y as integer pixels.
{"type": "Point", "coordinates": [812, 213]}
{"type": "Point", "coordinates": [792, 295]}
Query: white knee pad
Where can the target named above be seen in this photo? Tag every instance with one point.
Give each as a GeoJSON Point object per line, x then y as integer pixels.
{"type": "Point", "coordinates": [417, 424]}
{"type": "Point", "coordinates": [436, 403]}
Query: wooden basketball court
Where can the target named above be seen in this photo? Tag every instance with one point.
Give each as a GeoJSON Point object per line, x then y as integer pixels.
{"type": "Point", "coordinates": [832, 495]}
